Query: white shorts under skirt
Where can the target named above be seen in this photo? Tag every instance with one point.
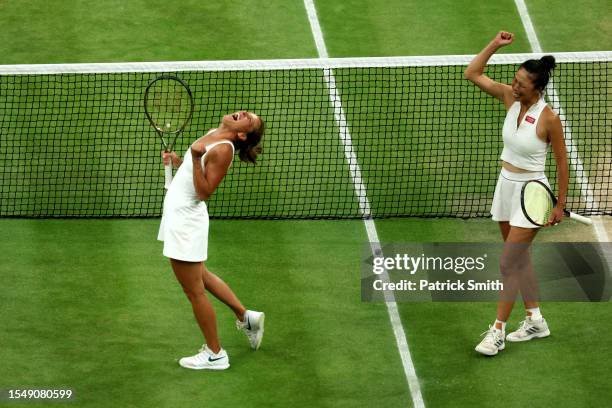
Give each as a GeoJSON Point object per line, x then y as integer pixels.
{"type": "Point", "coordinates": [184, 231]}
{"type": "Point", "coordinates": [507, 198]}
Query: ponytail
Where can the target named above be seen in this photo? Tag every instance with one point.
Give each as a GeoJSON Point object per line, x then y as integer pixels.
{"type": "Point", "coordinates": [249, 149]}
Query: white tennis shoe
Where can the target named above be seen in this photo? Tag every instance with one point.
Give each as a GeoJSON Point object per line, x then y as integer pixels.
{"type": "Point", "coordinates": [493, 342]}
{"type": "Point", "coordinates": [529, 329]}
{"type": "Point", "coordinates": [206, 360]}
{"type": "Point", "coordinates": [253, 327]}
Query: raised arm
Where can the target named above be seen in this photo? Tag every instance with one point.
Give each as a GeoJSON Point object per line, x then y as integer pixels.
{"type": "Point", "coordinates": [475, 70]}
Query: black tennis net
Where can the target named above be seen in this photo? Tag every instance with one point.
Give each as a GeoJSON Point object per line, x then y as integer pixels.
{"type": "Point", "coordinates": [346, 138]}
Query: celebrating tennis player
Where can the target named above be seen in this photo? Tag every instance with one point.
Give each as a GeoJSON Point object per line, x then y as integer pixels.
{"type": "Point", "coordinates": [184, 230]}
{"type": "Point", "coordinates": [530, 128]}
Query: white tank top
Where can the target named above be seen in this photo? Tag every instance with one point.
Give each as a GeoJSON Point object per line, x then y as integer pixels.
{"type": "Point", "coordinates": [182, 191]}
{"type": "Point", "coordinates": [522, 146]}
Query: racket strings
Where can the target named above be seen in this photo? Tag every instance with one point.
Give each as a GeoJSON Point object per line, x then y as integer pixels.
{"type": "Point", "coordinates": [169, 105]}
{"type": "Point", "coordinates": [538, 203]}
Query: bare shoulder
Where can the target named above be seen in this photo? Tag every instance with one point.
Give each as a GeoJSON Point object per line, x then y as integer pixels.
{"type": "Point", "coordinates": [549, 114]}
{"type": "Point", "coordinates": [552, 127]}
{"type": "Point", "coordinates": [221, 153]}
{"type": "Point", "coordinates": [550, 117]}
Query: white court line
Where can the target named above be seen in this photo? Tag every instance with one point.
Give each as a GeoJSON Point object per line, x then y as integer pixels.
{"type": "Point", "coordinates": [586, 190]}
{"type": "Point", "coordinates": [364, 206]}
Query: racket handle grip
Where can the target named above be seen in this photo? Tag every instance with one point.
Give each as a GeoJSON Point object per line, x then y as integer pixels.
{"type": "Point", "coordinates": [580, 218]}
{"type": "Point", "coordinates": [168, 174]}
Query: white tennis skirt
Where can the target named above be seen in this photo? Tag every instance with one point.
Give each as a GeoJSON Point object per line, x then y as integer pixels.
{"type": "Point", "coordinates": [184, 231]}
{"type": "Point", "coordinates": [507, 198]}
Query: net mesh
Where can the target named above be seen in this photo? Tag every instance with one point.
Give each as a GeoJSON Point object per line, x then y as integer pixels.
{"type": "Point", "coordinates": [423, 140]}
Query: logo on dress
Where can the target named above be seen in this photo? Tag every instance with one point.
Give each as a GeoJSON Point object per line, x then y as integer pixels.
{"type": "Point", "coordinates": [530, 119]}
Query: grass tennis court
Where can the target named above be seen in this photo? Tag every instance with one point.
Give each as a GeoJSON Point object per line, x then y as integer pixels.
{"type": "Point", "coordinates": [92, 305]}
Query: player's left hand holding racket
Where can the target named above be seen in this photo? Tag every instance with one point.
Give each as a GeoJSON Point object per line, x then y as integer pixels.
{"type": "Point", "coordinates": [537, 203]}
{"type": "Point", "coordinates": [168, 104]}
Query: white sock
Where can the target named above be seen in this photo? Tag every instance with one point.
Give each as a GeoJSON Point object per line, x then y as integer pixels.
{"type": "Point", "coordinates": [503, 325]}
{"type": "Point", "coordinates": [535, 313]}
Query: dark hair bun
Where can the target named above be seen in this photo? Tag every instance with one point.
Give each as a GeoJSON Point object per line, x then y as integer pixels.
{"type": "Point", "coordinates": [539, 70]}
{"type": "Point", "coordinates": [548, 62]}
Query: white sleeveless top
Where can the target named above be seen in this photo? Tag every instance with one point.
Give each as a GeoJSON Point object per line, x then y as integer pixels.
{"type": "Point", "coordinates": [182, 191]}
{"type": "Point", "coordinates": [522, 146]}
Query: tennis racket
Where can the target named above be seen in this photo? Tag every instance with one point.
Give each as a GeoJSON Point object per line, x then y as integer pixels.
{"type": "Point", "coordinates": [168, 104]}
{"type": "Point", "coordinates": [537, 202]}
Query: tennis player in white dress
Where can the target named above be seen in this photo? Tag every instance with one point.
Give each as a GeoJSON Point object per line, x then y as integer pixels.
{"type": "Point", "coordinates": [184, 230]}
{"type": "Point", "coordinates": [530, 128]}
